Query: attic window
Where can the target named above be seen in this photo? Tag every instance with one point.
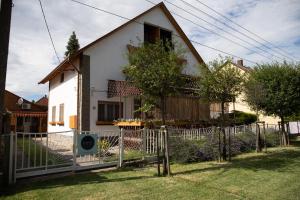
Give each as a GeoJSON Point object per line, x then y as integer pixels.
{"type": "Point", "coordinates": [151, 33]}
{"type": "Point", "coordinates": [165, 36]}
{"type": "Point", "coordinates": [62, 77]}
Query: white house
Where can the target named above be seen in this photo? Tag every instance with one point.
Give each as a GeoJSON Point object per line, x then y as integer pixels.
{"type": "Point", "coordinates": [240, 103]}
{"type": "Point", "coordinates": [86, 89]}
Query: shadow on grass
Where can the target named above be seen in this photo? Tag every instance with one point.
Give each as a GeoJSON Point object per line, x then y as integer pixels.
{"type": "Point", "coordinates": [281, 161]}
{"type": "Point", "coordinates": [73, 180]}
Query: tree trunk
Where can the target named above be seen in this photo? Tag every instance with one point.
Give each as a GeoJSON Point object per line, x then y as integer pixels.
{"type": "Point", "coordinates": [219, 147]}
{"type": "Point", "coordinates": [163, 109]}
{"type": "Point", "coordinates": [229, 143]}
{"type": "Point", "coordinates": [258, 138]}
{"type": "Point", "coordinates": [165, 153]}
{"type": "Point", "coordinates": [223, 131]}
{"type": "Point", "coordinates": [283, 133]}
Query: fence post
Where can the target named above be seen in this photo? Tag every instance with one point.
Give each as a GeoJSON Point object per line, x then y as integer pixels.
{"type": "Point", "coordinates": [167, 150]}
{"type": "Point", "coordinates": [229, 143]}
{"type": "Point", "coordinates": [11, 178]}
{"type": "Point", "coordinates": [121, 147]}
{"type": "Point", "coordinates": [157, 153]}
{"type": "Point", "coordinates": [265, 137]}
{"type": "Point", "coordinates": [144, 147]}
{"type": "Point", "coordinates": [288, 132]}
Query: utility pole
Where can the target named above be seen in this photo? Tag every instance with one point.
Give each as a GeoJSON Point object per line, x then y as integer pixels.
{"type": "Point", "coordinates": [5, 20]}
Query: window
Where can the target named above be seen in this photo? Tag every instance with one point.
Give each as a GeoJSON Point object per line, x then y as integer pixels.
{"type": "Point", "coordinates": [153, 33]}
{"type": "Point", "coordinates": [61, 112]}
{"type": "Point", "coordinates": [62, 77]}
{"type": "Point", "coordinates": [166, 37]}
{"type": "Point", "coordinates": [53, 113]}
{"type": "Point", "coordinates": [109, 111]}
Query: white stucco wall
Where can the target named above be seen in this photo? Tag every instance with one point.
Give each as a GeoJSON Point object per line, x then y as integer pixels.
{"type": "Point", "coordinates": [241, 105]}
{"type": "Point", "coordinates": [108, 57]}
{"type": "Point", "coordinates": [66, 93]}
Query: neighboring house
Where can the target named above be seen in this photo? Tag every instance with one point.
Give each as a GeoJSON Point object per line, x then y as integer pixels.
{"type": "Point", "coordinates": [88, 91]}
{"type": "Point", "coordinates": [240, 104]}
{"type": "Point", "coordinates": [25, 115]}
{"type": "Point", "coordinates": [42, 101]}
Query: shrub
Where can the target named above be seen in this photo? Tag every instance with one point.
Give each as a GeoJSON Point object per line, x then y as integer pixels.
{"type": "Point", "coordinates": [272, 139]}
{"type": "Point", "coordinates": [183, 151]}
{"type": "Point", "coordinates": [239, 118]}
{"type": "Point", "coordinates": [103, 145]}
{"type": "Point", "coordinates": [243, 142]}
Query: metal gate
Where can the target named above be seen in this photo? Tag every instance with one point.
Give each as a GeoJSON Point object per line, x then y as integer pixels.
{"type": "Point", "coordinates": [35, 154]}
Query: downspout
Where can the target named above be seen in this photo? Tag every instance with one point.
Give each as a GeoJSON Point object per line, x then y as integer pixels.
{"type": "Point", "coordinates": [78, 100]}
{"type": "Point", "coordinates": [78, 91]}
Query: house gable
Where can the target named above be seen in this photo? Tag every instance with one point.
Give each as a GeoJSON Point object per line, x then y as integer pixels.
{"type": "Point", "coordinates": [136, 20]}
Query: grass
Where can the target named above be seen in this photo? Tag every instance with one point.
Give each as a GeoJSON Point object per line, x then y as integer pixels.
{"type": "Point", "coordinates": [37, 152]}
{"type": "Point", "coordinates": [271, 175]}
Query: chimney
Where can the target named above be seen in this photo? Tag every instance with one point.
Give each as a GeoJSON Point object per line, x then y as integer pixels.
{"type": "Point", "coordinates": [240, 62]}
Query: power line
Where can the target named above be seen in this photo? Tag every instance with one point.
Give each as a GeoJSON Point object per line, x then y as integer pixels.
{"type": "Point", "coordinates": [214, 32]}
{"type": "Point", "coordinates": [241, 39]}
{"type": "Point", "coordinates": [286, 53]}
{"type": "Point", "coordinates": [186, 3]}
{"type": "Point", "coordinates": [49, 33]}
{"type": "Point", "coordinates": [135, 21]}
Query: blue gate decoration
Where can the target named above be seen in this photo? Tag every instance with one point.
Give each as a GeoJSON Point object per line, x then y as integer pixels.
{"type": "Point", "coordinates": [86, 144]}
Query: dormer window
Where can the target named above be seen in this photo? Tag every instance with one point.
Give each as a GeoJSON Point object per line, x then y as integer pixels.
{"type": "Point", "coordinates": [62, 77]}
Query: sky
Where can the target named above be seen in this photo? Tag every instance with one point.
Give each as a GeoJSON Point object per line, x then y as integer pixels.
{"type": "Point", "coordinates": [31, 56]}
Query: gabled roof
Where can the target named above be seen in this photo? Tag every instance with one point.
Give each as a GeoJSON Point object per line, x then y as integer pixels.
{"type": "Point", "coordinates": [242, 67]}
{"type": "Point", "coordinates": [11, 104]}
{"type": "Point", "coordinates": [42, 101]}
{"type": "Point", "coordinates": [162, 6]}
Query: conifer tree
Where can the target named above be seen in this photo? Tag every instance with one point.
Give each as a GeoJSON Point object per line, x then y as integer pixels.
{"type": "Point", "coordinates": [73, 45]}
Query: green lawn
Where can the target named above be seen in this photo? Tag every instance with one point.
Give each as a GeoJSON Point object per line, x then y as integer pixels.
{"type": "Point", "coordinates": [272, 175]}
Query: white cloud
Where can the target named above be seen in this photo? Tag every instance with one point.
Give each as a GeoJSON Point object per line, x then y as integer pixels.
{"type": "Point", "coordinates": [31, 55]}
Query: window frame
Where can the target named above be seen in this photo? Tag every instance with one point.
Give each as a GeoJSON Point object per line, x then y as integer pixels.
{"type": "Point", "coordinates": [115, 114]}
{"type": "Point", "coordinates": [61, 112]}
{"type": "Point", "coordinates": [159, 33]}
{"type": "Point", "coordinates": [53, 113]}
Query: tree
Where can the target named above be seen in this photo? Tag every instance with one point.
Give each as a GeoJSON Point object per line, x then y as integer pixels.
{"type": "Point", "coordinates": [156, 70]}
{"type": "Point", "coordinates": [274, 90]}
{"type": "Point", "coordinates": [73, 45]}
{"type": "Point", "coordinates": [219, 82]}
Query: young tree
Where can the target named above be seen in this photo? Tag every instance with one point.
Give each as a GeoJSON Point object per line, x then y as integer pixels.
{"type": "Point", "coordinates": [274, 90]}
{"type": "Point", "coordinates": [73, 45]}
{"type": "Point", "coordinates": [156, 70]}
{"type": "Point", "coordinates": [220, 83]}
